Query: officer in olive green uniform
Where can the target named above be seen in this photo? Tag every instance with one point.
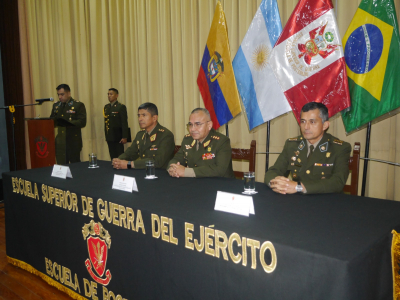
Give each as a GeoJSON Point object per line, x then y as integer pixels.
{"type": "Point", "coordinates": [211, 158]}
{"type": "Point", "coordinates": [115, 125]}
{"type": "Point", "coordinates": [325, 171]}
{"type": "Point", "coordinates": [158, 146]}
{"type": "Point", "coordinates": [70, 117]}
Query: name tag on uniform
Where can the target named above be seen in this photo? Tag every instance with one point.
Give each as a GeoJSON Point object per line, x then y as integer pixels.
{"type": "Point", "coordinates": [61, 172]}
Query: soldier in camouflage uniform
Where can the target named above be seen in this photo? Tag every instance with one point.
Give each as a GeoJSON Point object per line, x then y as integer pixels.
{"type": "Point", "coordinates": [69, 117]}
{"type": "Point", "coordinates": [115, 124]}
{"type": "Point", "coordinates": [318, 162]}
{"type": "Point", "coordinates": [204, 152]}
{"type": "Point", "coordinates": [153, 142]}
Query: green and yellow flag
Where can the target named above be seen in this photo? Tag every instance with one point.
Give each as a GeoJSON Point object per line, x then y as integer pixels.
{"type": "Point", "coordinates": [372, 54]}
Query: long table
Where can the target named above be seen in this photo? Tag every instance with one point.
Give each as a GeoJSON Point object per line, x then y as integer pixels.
{"type": "Point", "coordinates": [167, 241]}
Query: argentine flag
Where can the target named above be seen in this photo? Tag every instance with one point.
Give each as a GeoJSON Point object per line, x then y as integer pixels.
{"type": "Point", "coordinates": [262, 96]}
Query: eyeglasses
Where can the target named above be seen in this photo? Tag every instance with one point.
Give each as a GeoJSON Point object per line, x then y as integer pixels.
{"type": "Point", "coordinates": [195, 125]}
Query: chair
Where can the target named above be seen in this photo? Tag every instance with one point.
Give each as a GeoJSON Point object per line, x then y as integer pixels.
{"type": "Point", "coordinates": [354, 164]}
{"type": "Point", "coordinates": [245, 154]}
{"type": "Point", "coordinates": [176, 149]}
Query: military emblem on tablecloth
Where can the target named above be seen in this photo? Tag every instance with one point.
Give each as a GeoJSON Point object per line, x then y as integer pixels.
{"type": "Point", "coordinates": [41, 147]}
{"type": "Point", "coordinates": [98, 243]}
{"type": "Point", "coordinates": [215, 66]}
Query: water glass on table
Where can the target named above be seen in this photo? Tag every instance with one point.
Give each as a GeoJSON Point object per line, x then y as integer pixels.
{"type": "Point", "coordinates": [150, 170]}
{"type": "Point", "coordinates": [249, 183]}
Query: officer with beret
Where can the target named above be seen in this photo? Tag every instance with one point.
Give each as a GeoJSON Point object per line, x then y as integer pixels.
{"type": "Point", "coordinates": [153, 142]}
{"type": "Point", "coordinates": [70, 116]}
{"type": "Point", "coordinates": [115, 124]}
{"type": "Point", "coordinates": [318, 161]}
{"type": "Point", "coordinates": [204, 152]}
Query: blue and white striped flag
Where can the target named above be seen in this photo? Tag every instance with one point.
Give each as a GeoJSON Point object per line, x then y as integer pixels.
{"type": "Point", "coordinates": [262, 96]}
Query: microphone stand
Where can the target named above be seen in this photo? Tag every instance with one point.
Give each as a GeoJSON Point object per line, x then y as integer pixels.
{"type": "Point", "coordinates": [11, 108]}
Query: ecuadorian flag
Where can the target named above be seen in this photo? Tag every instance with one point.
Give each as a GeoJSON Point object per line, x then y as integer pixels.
{"type": "Point", "coordinates": [216, 79]}
{"type": "Point", "coordinates": [372, 51]}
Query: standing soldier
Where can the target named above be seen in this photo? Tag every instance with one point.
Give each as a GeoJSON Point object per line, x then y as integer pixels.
{"type": "Point", "coordinates": [115, 124]}
{"type": "Point", "coordinates": [70, 117]}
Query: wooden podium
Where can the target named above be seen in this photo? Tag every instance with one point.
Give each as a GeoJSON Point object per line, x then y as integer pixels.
{"type": "Point", "coordinates": [41, 142]}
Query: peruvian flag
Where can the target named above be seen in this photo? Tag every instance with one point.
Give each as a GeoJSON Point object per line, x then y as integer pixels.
{"type": "Point", "coordinates": [308, 58]}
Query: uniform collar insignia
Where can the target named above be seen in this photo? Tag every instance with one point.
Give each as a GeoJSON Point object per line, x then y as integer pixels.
{"type": "Point", "coordinates": [323, 147]}
{"type": "Point", "coordinates": [206, 143]}
{"type": "Point", "coordinates": [301, 145]}
{"type": "Point", "coordinates": [153, 137]}
{"type": "Point", "coordinates": [194, 142]}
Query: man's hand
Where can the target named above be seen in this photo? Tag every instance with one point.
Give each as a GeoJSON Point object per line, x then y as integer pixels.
{"type": "Point", "coordinates": [176, 170]}
{"type": "Point", "coordinates": [119, 164]}
{"type": "Point", "coordinates": [283, 185]}
{"type": "Point", "coordinates": [123, 141]}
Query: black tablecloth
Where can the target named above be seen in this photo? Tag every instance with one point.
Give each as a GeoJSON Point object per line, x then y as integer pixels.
{"type": "Point", "coordinates": [328, 246]}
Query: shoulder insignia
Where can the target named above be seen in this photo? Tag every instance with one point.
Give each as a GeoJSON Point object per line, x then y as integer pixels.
{"type": "Point", "coordinates": [215, 137]}
{"type": "Point", "coordinates": [206, 143]}
{"type": "Point", "coordinates": [187, 135]}
{"type": "Point", "coordinates": [194, 142]}
{"type": "Point", "coordinates": [339, 142]}
{"type": "Point", "coordinates": [162, 130]}
{"type": "Point", "coordinates": [293, 139]}
{"type": "Point", "coordinates": [153, 137]}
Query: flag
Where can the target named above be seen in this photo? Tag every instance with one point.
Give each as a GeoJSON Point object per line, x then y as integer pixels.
{"type": "Point", "coordinates": [262, 97]}
{"type": "Point", "coordinates": [216, 79]}
{"type": "Point", "coordinates": [308, 58]}
{"type": "Point", "coordinates": [372, 51]}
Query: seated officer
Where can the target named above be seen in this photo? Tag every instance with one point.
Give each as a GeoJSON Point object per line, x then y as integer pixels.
{"type": "Point", "coordinates": [318, 162]}
{"type": "Point", "coordinates": [204, 152]}
{"type": "Point", "coordinates": [153, 142]}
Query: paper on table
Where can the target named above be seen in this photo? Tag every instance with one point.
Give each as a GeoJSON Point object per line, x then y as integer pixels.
{"type": "Point", "coordinates": [234, 203]}
{"type": "Point", "coordinates": [125, 183]}
{"type": "Point", "coordinates": [61, 172]}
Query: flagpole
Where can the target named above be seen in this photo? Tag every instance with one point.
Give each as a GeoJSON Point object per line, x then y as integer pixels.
{"type": "Point", "coordinates": [227, 129]}
{"type": "Point", "coordinates": [267, 148]}
{"type": "Point", "coordinates": [364, 180]}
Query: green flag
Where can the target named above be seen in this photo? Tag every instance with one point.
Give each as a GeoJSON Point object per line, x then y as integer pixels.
{"type": "Point", "coordinates": [372, 54]}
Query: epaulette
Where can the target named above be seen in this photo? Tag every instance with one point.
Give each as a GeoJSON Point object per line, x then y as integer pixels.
{"type": "Point", "coordinates": [160, 129]}
{"type": "Point", "coordinates": [295, 139]}
{"type": "Point", "coordinates": [187, 135]}
{"type": "Point", "coordinates": [339, 142]}
{"type": "Point", "coordinates": [215, 137]}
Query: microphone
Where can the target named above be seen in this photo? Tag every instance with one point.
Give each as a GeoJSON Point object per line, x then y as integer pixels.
{"type": "Point", "coordinates": [44, 100]}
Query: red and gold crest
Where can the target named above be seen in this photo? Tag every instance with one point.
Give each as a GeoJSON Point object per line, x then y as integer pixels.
{"type": "Point", "coordinates": [98, 243]}
{"type": "Point", "coordinates": [41, 147]}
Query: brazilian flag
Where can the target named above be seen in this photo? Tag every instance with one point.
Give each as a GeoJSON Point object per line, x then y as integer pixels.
{"type": "Point", "coordinates": [372, 53]}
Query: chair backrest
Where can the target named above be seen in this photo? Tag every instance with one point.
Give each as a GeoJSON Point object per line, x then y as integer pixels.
{"type": "Point", "coordinates": [245, 154]}
{"type": "Point", "coordinates": [354, 165]}
{"type": "Point", "coordinates": [177, 147]}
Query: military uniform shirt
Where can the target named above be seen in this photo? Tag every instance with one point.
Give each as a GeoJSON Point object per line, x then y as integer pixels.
{"type": "Point", "coordinates": [115, 122]}
{"type": "Point", "coordinates": [212, 159]}
{"type": "Point", "coordinates": [69, 119]}
{"type": "Point", "coordinates": [326, 171]}
{"type": "Point", "coordinates": [158, 146]}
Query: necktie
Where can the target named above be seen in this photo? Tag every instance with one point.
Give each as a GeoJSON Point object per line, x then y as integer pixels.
{"type": "Point", "coordinates": [311, 151]}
